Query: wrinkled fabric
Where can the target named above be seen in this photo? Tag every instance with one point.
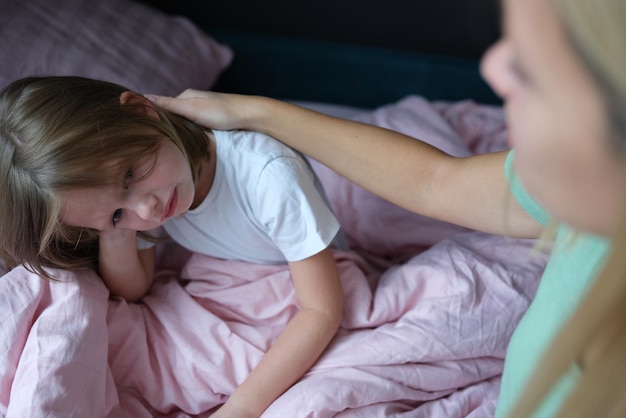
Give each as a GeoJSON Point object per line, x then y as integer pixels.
{"type": "Point", "coordinates": [429, 311]}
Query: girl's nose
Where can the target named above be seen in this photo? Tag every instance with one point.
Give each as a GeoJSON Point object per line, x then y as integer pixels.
{"type": "Point", "coordinates": [145, 206]}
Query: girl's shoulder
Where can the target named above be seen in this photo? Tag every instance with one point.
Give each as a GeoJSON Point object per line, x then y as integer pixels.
{"type": "Point", "coordinates": [252, 144]}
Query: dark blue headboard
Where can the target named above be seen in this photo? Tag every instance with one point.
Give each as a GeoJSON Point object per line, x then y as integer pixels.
{"type": "Point", "coordinates": [353, 52]}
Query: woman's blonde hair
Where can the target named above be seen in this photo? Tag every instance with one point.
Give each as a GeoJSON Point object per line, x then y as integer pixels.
{"type": "Point", "coordinates": [62, 133]}
{"type": "Point", "coordinates": [594, 338]}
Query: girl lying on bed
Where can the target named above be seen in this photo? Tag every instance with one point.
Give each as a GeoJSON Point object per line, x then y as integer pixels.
{"type": "Point", "coordinates": [86, 164]}
{"type": "Point", "coordinates": [560, 69]}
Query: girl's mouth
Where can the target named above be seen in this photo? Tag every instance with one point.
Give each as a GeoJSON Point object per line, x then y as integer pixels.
{"type": "Point", "coordinates": [170, 209]}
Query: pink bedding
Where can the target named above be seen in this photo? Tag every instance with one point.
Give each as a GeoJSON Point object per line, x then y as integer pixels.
{"type": "Point", "coordinates": [430, 308]}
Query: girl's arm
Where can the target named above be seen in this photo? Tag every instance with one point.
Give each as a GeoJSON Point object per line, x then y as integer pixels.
{"type": "Point", "coordinates": [308, 333]}
{"type": "Point", "coordinates": [126, 271]}
{"type": "Point", "coordinates": [471, 192]}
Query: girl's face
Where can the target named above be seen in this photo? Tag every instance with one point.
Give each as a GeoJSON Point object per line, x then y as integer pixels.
{"type": "Point", "coordinates": [167, 190]}
{"type": "Point", "coordinates": [556, 118]}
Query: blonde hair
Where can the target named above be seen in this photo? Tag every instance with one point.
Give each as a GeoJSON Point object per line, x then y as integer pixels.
{"type": "Point", "coordinates": [62, 133]}
{"type": "Point", "coordinates": [594, 338]}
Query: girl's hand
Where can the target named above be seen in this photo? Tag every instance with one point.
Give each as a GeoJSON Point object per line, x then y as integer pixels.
{"type": "Point", "coordinates": [209, 109]}
{"type": "Point", "coordinates": [229, 411]}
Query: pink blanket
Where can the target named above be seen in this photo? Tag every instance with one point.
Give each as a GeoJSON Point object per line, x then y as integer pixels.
{"type": "Point", "coordinates": [429, 311]}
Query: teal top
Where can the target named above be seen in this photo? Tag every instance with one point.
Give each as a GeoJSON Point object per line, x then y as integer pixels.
{"type": "Point", "coordinates": [574, 262]}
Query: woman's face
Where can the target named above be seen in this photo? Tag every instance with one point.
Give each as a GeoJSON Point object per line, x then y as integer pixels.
{"type": "Point", "coordinates": [556, 118]}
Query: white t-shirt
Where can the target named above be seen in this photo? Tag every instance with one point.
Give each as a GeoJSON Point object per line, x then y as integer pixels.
{"type": "Point", "coordinates": [266, 205]}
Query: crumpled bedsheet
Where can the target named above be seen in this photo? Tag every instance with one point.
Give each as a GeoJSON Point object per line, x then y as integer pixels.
{"type": "Point", "coordinates": [429, 311]}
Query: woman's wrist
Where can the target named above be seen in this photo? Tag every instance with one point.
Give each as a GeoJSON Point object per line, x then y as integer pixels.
{"type": "Point", "coordinates": [256, 111]}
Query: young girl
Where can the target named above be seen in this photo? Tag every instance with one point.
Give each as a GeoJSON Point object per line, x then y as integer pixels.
{"type": "Point", "coordinates": [560, 69]}
{"type": "Point", "coordinates": [86, 164]}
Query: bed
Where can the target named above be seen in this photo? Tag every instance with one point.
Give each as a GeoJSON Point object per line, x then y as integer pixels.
{"type": "Point", "coordinates": [430, 307]}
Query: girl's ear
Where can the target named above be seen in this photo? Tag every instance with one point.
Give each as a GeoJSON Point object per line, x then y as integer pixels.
{"type": "Point", "coordinates": [141, 103]}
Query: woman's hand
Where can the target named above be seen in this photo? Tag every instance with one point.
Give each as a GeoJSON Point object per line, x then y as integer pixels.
{"type": "Point", "coordinates": [212, 110]}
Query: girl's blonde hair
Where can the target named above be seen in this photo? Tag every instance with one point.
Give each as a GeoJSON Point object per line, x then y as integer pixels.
{"type": "Point", "coordinates": [62, 133]}
{"type": "Point", "coordinates": [594, 338]}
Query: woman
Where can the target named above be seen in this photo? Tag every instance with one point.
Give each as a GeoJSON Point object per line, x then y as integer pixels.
{"type": "Point", "coordinates": [560, 70]}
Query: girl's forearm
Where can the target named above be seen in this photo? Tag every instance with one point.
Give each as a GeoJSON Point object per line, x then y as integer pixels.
{"type": "Point", "coordinates": [294, 352]}
{"type": "Point", "coordinates": [121, 267]}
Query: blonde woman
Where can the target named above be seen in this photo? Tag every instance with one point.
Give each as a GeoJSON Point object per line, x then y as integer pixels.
{"type": "Point", "coordinates": [561, 70]}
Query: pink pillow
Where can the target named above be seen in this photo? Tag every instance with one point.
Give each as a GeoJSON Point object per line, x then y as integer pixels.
{"type": "Point", "coordinates": [115, 40]}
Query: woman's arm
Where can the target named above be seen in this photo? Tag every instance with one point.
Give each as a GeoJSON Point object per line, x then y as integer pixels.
{"type": "Point", "coordinates": [126, 271]}
{"type": "Point", "coordinates": [471, 192]}
{"type": "Point", "coordinates": [308, 333]}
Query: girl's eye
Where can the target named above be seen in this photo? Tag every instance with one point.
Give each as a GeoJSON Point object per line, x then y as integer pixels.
{"type": "Point", "coordinates": [117, 215]}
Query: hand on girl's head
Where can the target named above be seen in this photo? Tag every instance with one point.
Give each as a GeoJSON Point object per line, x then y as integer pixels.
{"type": "Point", "coordinates": [206, 108]}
